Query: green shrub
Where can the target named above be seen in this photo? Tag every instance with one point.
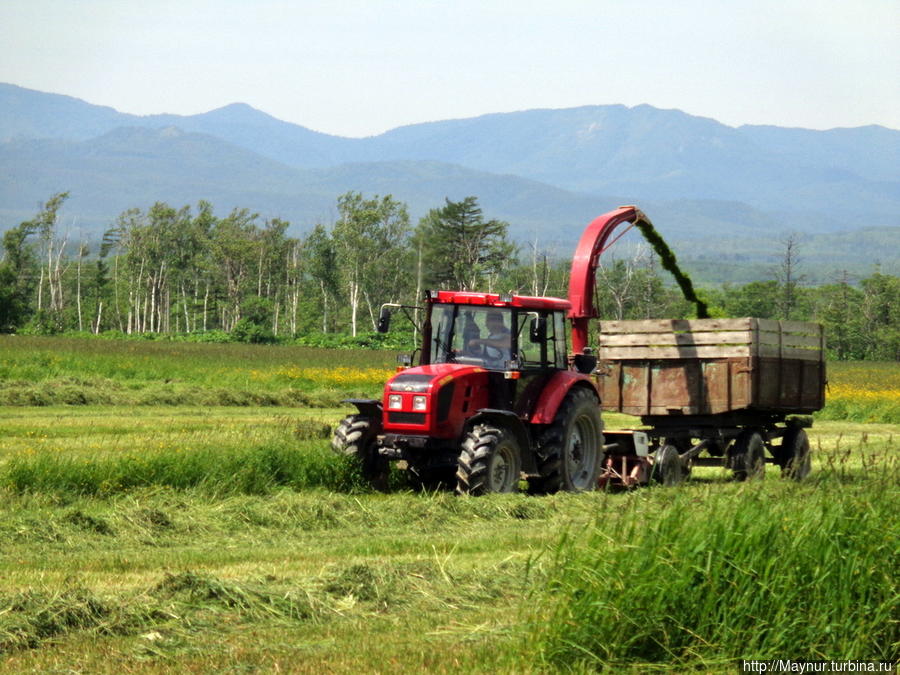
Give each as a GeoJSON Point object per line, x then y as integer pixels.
{"type": "Point", "coordinates": [251, 333]}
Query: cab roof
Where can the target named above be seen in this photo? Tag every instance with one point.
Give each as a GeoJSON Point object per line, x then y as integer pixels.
{"type": "Point", "coordinates": [498, 300]}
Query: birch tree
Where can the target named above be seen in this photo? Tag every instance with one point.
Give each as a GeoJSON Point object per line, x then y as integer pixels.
{"type": "Point", "coordinates": [369, 236]}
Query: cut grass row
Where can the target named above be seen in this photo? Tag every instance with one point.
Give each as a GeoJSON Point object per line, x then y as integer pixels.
{"type": "Point", "coordinates": [46, 371]}
{"type": "Point", "coordinates": [315, 581]}
{"type": "Point", "coordinates": [91, 451]}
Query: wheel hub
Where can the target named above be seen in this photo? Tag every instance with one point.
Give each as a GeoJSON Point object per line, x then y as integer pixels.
{"type": "Point", "coordinates": [576, 461]}
{"type": "Point", "coordinates": [499, 473]}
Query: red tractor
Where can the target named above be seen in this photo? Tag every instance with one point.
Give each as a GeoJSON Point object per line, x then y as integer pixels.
{"type": "Point", "coordinates": [498, 395]}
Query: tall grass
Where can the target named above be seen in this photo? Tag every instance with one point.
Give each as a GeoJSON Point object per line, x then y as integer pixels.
{"type": "Point", "coordinates": [254, 469]}
{"type": "Point", "coordinates": [758, 571]}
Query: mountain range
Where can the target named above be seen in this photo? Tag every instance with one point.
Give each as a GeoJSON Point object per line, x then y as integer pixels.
{"type": "Point", "coordinates": [724, 197]}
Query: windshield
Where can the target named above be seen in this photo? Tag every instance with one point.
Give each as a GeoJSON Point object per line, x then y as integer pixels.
{"type": "Point", "coordinates": [472, 335]}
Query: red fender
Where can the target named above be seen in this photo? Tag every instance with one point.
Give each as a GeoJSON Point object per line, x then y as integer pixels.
{"type": "Point", "coordinates": [554, 393]}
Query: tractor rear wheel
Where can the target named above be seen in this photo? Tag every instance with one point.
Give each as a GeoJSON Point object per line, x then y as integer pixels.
{"type": "Point", "coordinates": [747, 455]}
{"type": "Point", "coordinates": [570, 451]}
{"type": "Point", "coordinates": [355, 437]}
{"type": "Point", "coordinates": [793, 454]}
{"type": "Point", "coordinates": [490, 461]}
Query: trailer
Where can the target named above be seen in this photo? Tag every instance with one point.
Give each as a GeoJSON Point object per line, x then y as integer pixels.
{"type": "Point", "coordinates": [709, 392]}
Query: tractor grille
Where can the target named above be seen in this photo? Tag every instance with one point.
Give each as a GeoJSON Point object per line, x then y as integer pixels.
{"type": "Point", "coordinates": [406, 418]}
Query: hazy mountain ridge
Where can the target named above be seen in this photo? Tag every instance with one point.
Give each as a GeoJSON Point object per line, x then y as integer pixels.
{"type": "Point", "coordinates": [574, 148]}
{"type": "Point", "coordinates": [548, 172]}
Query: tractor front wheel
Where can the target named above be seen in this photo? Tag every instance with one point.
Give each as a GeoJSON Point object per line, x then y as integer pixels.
{"type": "Point", "coordinates": [490, 461]}
{"type": "Point", "coordinates": [355, 437]}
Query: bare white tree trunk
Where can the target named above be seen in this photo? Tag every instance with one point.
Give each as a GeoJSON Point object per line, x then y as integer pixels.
{"type": "Point", "coordinates": [353, 297]}
{"type": "Point", "coordinates": [99, 315]}
{"type": "Point", "coordinates": [78, 285]}
{"type": "Point", "coordinates": [41, 291]}
{"type": "Point", "coordinates": [205, 305]}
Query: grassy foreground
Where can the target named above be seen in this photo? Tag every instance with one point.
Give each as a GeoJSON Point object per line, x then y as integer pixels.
{"type": "Point", "coordinates": [175, 507]}
{"type": "Point", "coordinates": [283, 562]}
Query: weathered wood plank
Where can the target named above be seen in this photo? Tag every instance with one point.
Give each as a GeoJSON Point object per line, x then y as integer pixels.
{"type": "Point", "coordinates": [652, 339]}
{"type": "Point", "coordinates": [789, 340]}
{"type": "Point", "coordinates": [673, 325]}
{"type": "Point", "coordinates": [680, 352]}
{"type": "Point", "coordinates": [790, 353]}
{"type": "Point", "coordinates": [709, 338]}
{"type": "Point", "coordinates": [795, 327]}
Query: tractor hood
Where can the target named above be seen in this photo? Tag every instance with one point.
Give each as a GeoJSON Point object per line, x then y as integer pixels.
{"type": "Point", "coordinates": [420, 379]}
{"type": "Point", "coordinates": [434, 400]}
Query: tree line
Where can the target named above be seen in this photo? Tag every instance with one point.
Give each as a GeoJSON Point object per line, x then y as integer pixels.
{"type": "Point", "coordinates": [186, 271]}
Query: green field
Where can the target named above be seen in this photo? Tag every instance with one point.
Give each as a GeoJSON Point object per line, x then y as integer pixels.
{"type": "Point", "coordinates": [164, 536]}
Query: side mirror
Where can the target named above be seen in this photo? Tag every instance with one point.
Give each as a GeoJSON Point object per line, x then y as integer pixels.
{"type": "Point", "coordinates": [384, 320]}
{"type": "Point", "coordinates": [538, 329]}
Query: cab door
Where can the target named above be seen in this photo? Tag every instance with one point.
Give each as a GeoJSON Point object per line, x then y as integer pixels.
{"type": "Point", "coordinates": [541, 353]}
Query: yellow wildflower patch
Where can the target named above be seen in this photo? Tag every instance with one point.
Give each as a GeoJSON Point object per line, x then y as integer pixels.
{"type": "Point", "coordinates": [863, 391]}
{"type": "Point", "coordinates": [339, 376]}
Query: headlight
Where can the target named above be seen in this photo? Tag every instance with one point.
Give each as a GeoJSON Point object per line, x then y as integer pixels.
{"type": "Point", "coordinates": [419, 402]}
{"type": "Point", "coordinates": [395, 402]}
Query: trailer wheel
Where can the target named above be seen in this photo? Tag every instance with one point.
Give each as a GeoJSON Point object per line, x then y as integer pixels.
{"type": "Point", "coordinates": [793, 455]}
{"type": "Point", "coordinates": [355, 437]}
{"type": "Point", "coordinates": [490, 461]}
{"type": "Point", "coordinates": [667, 468]}
{"type": "Point", "coordinates": [747, 455]}
{"type": "Point", "coordinates": [570, 451]}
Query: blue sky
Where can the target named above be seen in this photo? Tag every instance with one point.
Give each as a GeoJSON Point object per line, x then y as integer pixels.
{"type": "Point", "coordinates": [355, 67]}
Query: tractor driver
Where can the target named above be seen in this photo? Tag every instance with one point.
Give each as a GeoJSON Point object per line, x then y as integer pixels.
{"type": "Point", "coordinates": [496, 346]}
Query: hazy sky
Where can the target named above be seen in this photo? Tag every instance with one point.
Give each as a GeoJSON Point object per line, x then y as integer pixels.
{"type": "Point", "coordinates": [359, 67]}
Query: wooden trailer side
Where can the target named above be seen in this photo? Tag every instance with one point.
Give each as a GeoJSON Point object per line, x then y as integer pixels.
{"type": "Point", "coordinates": [711, 366]}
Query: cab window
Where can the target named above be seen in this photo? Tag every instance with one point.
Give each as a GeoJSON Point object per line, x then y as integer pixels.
{"type": "Point", "coordinates": [542, 339]}
{"type": "Point", "coordinates": [472, 335]}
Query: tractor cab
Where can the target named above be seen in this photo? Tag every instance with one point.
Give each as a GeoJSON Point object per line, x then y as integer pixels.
{"type": "Point", "coordinates": [500, 333]}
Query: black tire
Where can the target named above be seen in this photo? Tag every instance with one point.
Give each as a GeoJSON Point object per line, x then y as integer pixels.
{"type": "Point", "coordinates": [747, 456]}
{"type": "Point", "coordinates": [793, 455]}
{"type": "Point", "coordinates": [667, 467]}
{"type": "Point", "coordinates": [490, 461]}
{"type": "Point", "coordinates": [570, 450]}
{"type": "Point", "coordinates": [355, 437]}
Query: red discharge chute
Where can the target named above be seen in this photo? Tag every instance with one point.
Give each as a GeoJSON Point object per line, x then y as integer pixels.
{"type": "Point", "coordinates": [584, 265]}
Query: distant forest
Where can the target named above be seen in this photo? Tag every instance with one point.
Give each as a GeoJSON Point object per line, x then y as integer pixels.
{"type": "Point", "coordinates": [185, 273]}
